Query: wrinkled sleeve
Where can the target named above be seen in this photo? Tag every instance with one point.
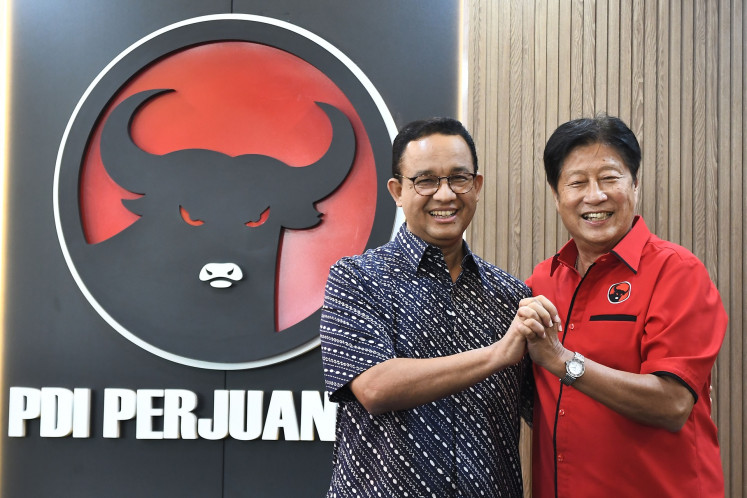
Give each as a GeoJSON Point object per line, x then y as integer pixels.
{"type": "Point", "coordinates": [516, 290]}
{"type": "Point", "coordinates": [527, 390]}
{"type": "Point", "coordinates": [527, 375]}
{"type": "Point", "coordinates": [355, 327]}
{"type": "Point", "coordinates": [685, 324]}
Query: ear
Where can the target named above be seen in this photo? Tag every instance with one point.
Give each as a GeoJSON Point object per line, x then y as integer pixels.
{"type": "Point", "coordinates": [395, 190]}
{"type": "Point", "coordinates": [555, 196]}
{"type": "Point", "coordinates": [478, 185]}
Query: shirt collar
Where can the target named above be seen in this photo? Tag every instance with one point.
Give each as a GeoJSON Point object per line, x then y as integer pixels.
{"type": "Point", "coordinates": [415, 249]}
{"type": "Point", "coordinates": [628, 250]}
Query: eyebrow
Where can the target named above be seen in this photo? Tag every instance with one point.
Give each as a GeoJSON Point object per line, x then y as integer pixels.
{"type": "Point", "coordinates": [584, 171]}
{"type": "Point", "coordinates": [454, 170]}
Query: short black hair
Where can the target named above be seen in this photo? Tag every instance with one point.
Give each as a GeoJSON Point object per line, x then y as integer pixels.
{"type": "Point", "coordinates": [602, 129]}
{"type": "Point", "coordinates": [424, 128]}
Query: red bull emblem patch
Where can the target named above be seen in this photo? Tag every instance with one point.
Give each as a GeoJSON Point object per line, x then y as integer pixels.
{"type": "Point", "coordinates": [618, 292]}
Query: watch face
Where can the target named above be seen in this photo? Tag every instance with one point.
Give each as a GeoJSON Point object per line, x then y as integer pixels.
{"type": "Point", "coordinates": [575, 368]}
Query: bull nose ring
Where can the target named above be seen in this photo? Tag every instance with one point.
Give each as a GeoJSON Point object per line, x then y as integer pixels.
{"type": "Point", "coordinates": [221, 275]}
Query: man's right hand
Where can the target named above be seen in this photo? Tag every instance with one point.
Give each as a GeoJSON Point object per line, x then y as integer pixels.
{"type": "Point", "coordinates": [538, 321]}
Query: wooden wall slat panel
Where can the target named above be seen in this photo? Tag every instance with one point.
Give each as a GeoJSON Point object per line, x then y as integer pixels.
{"type": "Point", "coordinates": [626, 56]}
{"type": "Point", "coordinates": [646, 109]}
{"type": "Point", "coordinates": [515, 145]}
{"type": "Point", "coordinates": [712, 137]}
{"type": "Point", "coordinates": [504, 124]}
{"type": "Point", "coordinates": [638, 45]}
{"type": "Point", "coordinates": [588, 54]}
{"type": "Point", "coordinates": [736, 252]}
{"type": "Point", "coordinates": [526, 199]}
{"type": "Point", "coordinates": [565, 35]}
{"type": "Point", "coordinates": [674, 71]}
{"type": "Point", "coordinates": [552, 98]}
{"type": "Point", "coordinates": [717, 219]}
{"type": "Point", "coordinates": [674, 122]}
{"type": "Point", "coordinates": [688, 120]}
{"type": "Point", "coordinates": [577, 58]}
{"type": "Point", "coordinates": [601, 34]}
{"type": "Point", "coordinates": [565, 82]}
{"type": "Point", "coordinates": [613, 58]}
{"type": "Point", "coordinates": [661, 186]}
{"type": "Point", "coordinates": [540, 207]}
{"type": "Point", "coordinates": [699, 133]}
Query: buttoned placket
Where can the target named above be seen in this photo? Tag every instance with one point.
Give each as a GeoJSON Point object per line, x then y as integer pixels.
{"type": "Point", "coordinates": [434, 259]}
{"type": "Point", "coordinates": [561, 412]}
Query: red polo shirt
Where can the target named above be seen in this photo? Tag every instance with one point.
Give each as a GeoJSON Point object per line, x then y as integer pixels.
{"type": "Point", "coordinates": [649, 307]}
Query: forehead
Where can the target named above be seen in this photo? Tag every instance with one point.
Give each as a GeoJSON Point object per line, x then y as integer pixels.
{"type": "Point", "coordinates": [592, 158]}
{"type": "Point", "coordinates": [437, 153]}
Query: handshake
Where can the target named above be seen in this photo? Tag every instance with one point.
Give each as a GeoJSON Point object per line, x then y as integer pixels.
{"type": "Point", "coordinates": [535, 329]}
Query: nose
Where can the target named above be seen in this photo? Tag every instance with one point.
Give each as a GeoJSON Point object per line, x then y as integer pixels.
{"type": "Point", "coordinates": [444, 190]}
{"type": "Point", "coordinates": [595, 194]}
{"type": "Point", "coordinates": [221, 275]}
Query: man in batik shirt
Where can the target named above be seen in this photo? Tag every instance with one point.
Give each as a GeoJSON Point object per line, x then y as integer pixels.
{"type": "Point", "coordinates": [416, 342]}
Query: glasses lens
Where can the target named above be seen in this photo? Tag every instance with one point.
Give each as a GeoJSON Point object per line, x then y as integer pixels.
{"type": "Point", "coordinates": [426, 184]}
{"type": "Point", "coordinates": [461, 184]}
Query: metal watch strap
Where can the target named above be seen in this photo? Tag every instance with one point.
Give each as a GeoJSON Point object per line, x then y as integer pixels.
{"type": "Point", "coordinates": [569, 379]}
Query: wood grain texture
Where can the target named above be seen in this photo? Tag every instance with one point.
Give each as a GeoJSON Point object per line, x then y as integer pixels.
{"type": "Point", "coordinates": [674, 72]}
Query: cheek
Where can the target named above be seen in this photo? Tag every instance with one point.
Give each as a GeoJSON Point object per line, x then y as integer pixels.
{"type": "Point", "coordinates": [565, 202]}
{"type": "Point", "coordinates": [410, 204]}
{"type": "Point", "coordinates": [626, 196]}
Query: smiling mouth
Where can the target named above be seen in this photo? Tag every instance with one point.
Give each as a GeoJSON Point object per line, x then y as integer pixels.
{"type": "Point", "coordinates": [596, 216]}
{"type": "Point", "coordinates": [442, 214]}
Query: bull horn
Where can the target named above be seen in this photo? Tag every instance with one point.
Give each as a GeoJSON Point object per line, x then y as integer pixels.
{"type": "Point", "coordinates": [125, 162]}
{"type": "Point", "coordinates": [325, 175]}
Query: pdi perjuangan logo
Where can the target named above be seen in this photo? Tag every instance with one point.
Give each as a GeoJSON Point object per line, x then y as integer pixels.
{"type": "Point", "coordinates": [207, 180]}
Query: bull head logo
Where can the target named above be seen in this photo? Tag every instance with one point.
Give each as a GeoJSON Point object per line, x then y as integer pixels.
{"type": "Point", "coordinates": [618, 292]}
{"type": "Point", "coordinates": [200, 262]}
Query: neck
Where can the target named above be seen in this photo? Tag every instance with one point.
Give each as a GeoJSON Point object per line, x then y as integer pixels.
{"type": "Point", "coordinates": [589, 252]}
{"type": "Point", "coordinates": [581, 266]}
{"type": "Point", "coordinates": [587, 256]}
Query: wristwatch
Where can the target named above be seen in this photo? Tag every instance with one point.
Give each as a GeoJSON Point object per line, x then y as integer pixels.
{"type": "Point", "coordinates": [574, 368]}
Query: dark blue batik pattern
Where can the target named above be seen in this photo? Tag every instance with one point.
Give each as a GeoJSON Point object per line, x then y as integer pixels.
{"type": "Point", "coordinates": [399, 301]}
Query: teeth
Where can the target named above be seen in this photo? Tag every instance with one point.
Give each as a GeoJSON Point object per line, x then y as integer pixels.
{"type": "Point", "coordinates": [596, 216]}
{"type": "Point", "coordinates": [442, 213]}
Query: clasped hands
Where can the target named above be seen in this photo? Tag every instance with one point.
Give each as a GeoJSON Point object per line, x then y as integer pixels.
{"type": "Point", "coordinates": [538, 323]}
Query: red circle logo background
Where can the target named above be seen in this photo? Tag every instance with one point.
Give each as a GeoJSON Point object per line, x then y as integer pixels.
{"type": "Point", "coordinates": [237, 98]}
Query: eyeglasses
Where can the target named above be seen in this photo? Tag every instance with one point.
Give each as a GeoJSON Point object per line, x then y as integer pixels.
{"type": "Point", "coordinates": [459, 183]}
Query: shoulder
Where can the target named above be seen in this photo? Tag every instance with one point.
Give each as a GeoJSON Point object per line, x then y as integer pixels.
{"type": "Point", "coordinates": [544, 267]}
{"type": "Point", "coordinates": [372, 267]}
{"type": "Point", "coordinates": [375, 260]}
{"type": "Point", "coordinates": [674, 270]}
{"type": "Point", "coordinates": [542, 272]}
{"type": "Point", "coordinates": [666, 252]}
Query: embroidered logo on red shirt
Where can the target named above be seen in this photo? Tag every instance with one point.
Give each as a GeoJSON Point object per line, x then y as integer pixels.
{"type": "Point", "coordinates": [619, 292]}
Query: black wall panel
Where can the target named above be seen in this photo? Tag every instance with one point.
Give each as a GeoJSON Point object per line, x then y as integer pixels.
{"type": "Point", "coordinates": [53, 338]}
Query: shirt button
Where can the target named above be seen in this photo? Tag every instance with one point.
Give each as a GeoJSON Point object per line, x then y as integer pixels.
{"type": "Point", "coordinates": [572, 326]}
{"type": "Point", "coordinates": [561, 412]}
{"type": "Point", "coordinates": [560, 458]}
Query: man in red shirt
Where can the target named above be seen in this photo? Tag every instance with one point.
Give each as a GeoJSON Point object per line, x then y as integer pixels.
{"type": "Point", "coordinates": [623, 331]}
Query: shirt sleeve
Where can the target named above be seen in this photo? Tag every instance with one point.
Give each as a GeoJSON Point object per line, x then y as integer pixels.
{"type": "Point", "coordinates": [685, 324]}
{"type": "Point", "coordinates": [355, 327]}
{"type": "Point", "coordinates": [523, 290]}
{"type": "Point", "coordinates": [527, 375]}
{"type": "Point", "coordinates": [526, 407]}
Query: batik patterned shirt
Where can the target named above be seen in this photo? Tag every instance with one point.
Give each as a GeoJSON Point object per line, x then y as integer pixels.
{"type": "Point", "coordinates": [398, 300]}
